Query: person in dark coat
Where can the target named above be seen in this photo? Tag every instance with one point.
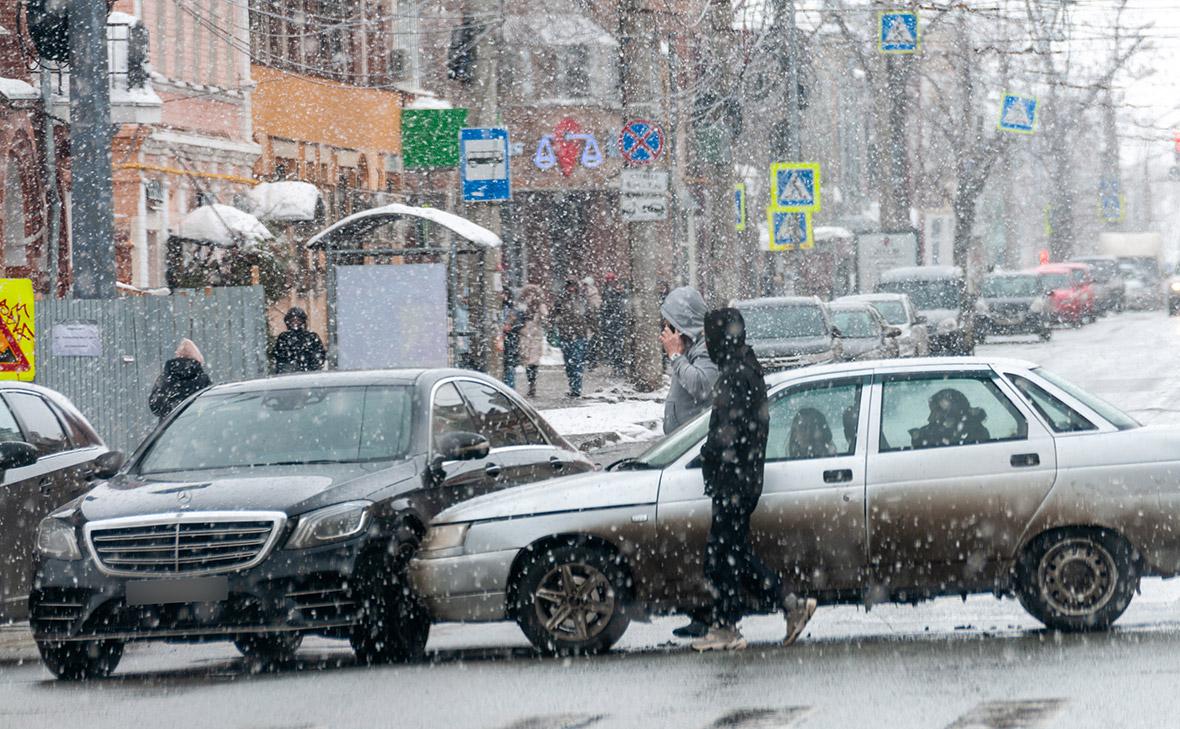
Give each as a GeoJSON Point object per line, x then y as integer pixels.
{"type": "Point", "coordinates": [572, 324]}
{"type": "Point", "coordinates": [952, 422]}
{"type": "Point", "coordinates": [514, 321]}
{"type": "Point", "coordinates": [613, 327]}
{"type": "Point", "coordinates": [732, 462]}
{"type": "Point", "coordinates": [183, 375]}
{"type": "Point", "coordinates": [297, 349]}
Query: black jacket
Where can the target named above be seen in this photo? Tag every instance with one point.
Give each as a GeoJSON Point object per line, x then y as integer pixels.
{"type": "Point", "coordinates": [734, 454]}
{"type": "Point", "coordinates": [298, 350]}
{"type": "Point", "coordinates": [181, 377]}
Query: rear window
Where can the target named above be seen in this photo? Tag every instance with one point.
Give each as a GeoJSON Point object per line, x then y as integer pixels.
{"type": "Point", "coordinates": [1014, 287]}
{"type": "Point", "coordinates": [893, 311]}
{"type": "Point", "coordinates": [856, 323]}
{"type": "Point", "coordinates": [784, 322]}
{"type": "Point", "coordinates": [1117, 417]}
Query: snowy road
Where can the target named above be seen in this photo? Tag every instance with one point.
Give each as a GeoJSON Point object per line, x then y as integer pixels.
{"type": "Point", "coordinates": [946, 664]}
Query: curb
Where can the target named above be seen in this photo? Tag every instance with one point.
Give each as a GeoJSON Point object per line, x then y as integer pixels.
{"type": "Point", "coordinates": [16, 644]}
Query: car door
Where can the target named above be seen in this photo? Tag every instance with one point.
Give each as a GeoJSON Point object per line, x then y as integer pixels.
{"type": "Point", "coordinates": [449, 412]}
{"type": "Point", "coordinates": [947, 506]}
{"type": "Point", "coordinates": [71, 450]}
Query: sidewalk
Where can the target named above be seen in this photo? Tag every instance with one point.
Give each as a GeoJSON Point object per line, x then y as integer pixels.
{"type": "Point", "coordinates": [16, 644]}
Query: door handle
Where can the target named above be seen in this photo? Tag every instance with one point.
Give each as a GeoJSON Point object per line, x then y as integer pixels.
{"type": "Point", "coordinates": [1025, 460]}
{"type": "Point", "coordinates": [556, 463]}
{"type": "Point", "coordinates": [492, 470]}
{"type": "Point", "coordinates": [838, 475]}
{"type": "Point", "coordinates": [45, 485]}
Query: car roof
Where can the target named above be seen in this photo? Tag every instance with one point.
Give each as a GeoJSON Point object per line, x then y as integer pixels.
{"type": "Point", "coordinates": [921, 273]}
{"type": "Point", "coordinates": [1096, 259]}
{"type": "Point", "coordinates": [917, 364]}
{"type": "Point", "coordinates": [777, 301]}
{"type": "Point", "coordinates": [1010, 274]}
{"type": "Point", "coordinates": [850, 306]}
{"type": "Point", "coordinates": [1052, 268]}
{"type": "Point", "coordinates": [347, 378]}
{"type": "Point", "coordinates": [883, 296]}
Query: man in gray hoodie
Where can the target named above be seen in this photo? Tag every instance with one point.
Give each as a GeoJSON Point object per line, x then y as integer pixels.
{"type": "Point", "coordinates": [693, 377]}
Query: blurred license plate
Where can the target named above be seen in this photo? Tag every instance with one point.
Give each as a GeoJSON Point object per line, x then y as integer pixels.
{"type": "Point", "coordinates": [162, 592]}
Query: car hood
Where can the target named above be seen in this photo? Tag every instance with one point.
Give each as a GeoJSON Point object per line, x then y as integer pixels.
{"type": "Point", "coordinates": [937, 316]}
{"type": "Point", "coordinates": [289, 489]}
{"type": "Point", "coordinates": [592, 490]}
{"type": "Point", "coordinates": [794, 345]}
{"type": "Point", "coordinates": [858, 346]}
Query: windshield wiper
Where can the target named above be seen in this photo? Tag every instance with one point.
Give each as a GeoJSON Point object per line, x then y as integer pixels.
{"type": "Point", "coordinates": [629, 464]}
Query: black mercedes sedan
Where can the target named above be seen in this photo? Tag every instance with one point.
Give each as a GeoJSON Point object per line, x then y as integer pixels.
{"type": "Point", "coordinates": [263, 511]}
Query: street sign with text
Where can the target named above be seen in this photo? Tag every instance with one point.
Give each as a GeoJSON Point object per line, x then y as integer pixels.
{"type": "Point", "coordinates": [643, 208]}
{"type": "Point", "coordinates": [483, 164]}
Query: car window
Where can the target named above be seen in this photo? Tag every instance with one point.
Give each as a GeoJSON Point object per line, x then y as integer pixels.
{"type": "Point", "coordinates": [9, 430]}
{"type": "Point", "coordinates": [498, 418]}
{"type": "Point", "coordinates": [893, 311]}
{"type": "Point", "coordinates": [1117, 417]}
{"type": "Point", "coordinates": [449, 412]}
{"type": "Point", "coordinates": [1061, 417]}
{"type": "Point", "coordinates": [385, 422]}
{"type": "Point", "coordinates": [946, 410]}
{"type": "Point", "coordinates": [856, 323]}
{"type": "Point", "coordinates": [816, 421]}
{"type": "Point", "coordinates": [42, 428]}
{"type": "Point", "coordinates": [784, 322]}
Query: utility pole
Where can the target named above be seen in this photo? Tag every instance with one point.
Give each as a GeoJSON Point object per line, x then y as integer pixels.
{"type": "Point", "coordinates": [784, 10]}
{"type": "Point", "coordinates": [92, 205]}
{"type": "Point", "coordinates": [52, 199]}
{"type": "Point", "coordinates": [638, 46]}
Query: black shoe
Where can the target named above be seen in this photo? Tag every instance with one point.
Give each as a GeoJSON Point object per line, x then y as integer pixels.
{"type": "Point", "coordinates": [695, 629]}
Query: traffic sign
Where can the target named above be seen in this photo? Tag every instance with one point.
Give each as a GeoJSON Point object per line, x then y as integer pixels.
{"type": "Point", "coordinates": [1018, 114]}
{"type": "Point", "coordinates": [643, 208]}
{"type": "Point", "coordinates": [641, 142]}
{"type": "Point", "coordinates": [483, 164]}
{"type": "Point", "coordinates": [17, 329]}
{"type": "Point", "coordinates": [789, 230]}
{"type": "Point", "coordinates": [794, 187]}
{"type": "Point", "coordinates": [643, 182]}
{"type": "Point", "coordinates": [739, 202]}
{"type": "Point", "coordinates": [898, 32]}
{"type": "Point", "coordinates": [1110, 207]}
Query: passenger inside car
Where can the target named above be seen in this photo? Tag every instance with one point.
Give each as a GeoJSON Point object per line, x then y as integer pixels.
{"type": "Point", "coordinates": [811, 436]}
{"type": "Point", "coordinates": [953, 421]}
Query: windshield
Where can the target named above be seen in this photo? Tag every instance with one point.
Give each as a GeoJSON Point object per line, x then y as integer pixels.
{"type": "Point", "coordinates": [784, 322]}
{"type": "Point", "coordinates": [927, 295]}
{"type": "Point", "coordinates": [1117, 417]}
{"type": "Point", "coordinates": [676, 443]}
{"type": "Point", "coordinates": [1055, 281]}
{"type": "Point", "coordinates": [893, 311]}
{"type": "Point", "coordinates": [856, 324]}
{"type": "Point", "coordinates": [1010, 287]}
{"type": "Point", "coordinates": [285, 427]}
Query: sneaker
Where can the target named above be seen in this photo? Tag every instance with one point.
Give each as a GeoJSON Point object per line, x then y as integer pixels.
{"type": "Point", "coordinates": [695, 629]}
{"type": "Point", "coordinates": [720, 639]}
{"type": "Point", "coordinates": [798, 618]}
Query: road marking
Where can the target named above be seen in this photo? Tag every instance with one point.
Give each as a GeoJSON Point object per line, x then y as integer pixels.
{"type": "Point", "coordinates": [1009, 714]}
{"type": "Point", "coordinates": [557, 721]}
{"type": "Point", "coordinates": [761, 718]}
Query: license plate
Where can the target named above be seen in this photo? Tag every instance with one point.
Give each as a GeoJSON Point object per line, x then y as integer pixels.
{"type": "Point", "coordinates": [164, 592]}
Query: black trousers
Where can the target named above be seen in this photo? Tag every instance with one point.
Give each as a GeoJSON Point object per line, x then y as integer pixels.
{"type": "Point", "coordinates": [738, 578]}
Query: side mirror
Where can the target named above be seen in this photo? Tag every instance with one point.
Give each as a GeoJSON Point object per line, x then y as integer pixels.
{"type": "Point", "coordinates": [892, 332]}
{"type": "Point", "coordinates": [920, 319]}
{"type": "Point", "coordinates": [836, 332]}
{"type": "Point", "coordinates": [17, 454]}
{"type": "Point", "coordinates": [108, 464]}
{"type": "Point", "coordinates": [459, 445]}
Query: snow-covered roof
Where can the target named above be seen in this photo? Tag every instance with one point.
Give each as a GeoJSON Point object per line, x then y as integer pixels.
{"type": "Point", "coordinates": [223, 225]}
{"type": "Point", "coordinates": [13, 89]}
{"type": "Point", "coordinates": [120, 18]}
{"type": "Point", "coordinates": [428, 102]}
{"type": "Point", "coordinates": [832, 232]}
{"type": "Point", "coordinates": [286, 201]}
{"type": "Point", "coordinates": [366, 220]}
{"type": "Point", "coordinates": [921, 273]}
{"type": "Point", "coordinates": [569, 29]}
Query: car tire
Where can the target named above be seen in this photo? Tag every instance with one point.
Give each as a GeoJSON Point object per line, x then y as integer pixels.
{"type": "Point", "coordinates": [81, 660]}
{"type": "Point", "coordinates": [595, 616]}
{"type": "Point", "coordinates": [1045, 334]}
{"type": "Point", "coordinates": [1079, 579]}
{"type": "Point", "coordinates": [269, 648]}
{"type": "Point", "coordinates": [394, 629]}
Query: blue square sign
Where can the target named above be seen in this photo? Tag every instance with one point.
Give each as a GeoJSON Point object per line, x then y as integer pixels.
{"type": "Point", "coordinates": [483, 164]}
{"type": "Point", "coordinates": [898, 33]}
{"type": "Point", "coordinates": [1018, 114]}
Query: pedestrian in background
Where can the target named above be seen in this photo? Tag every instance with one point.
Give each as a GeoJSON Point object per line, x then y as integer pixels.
{"type": "Point", "coordinates": [732, 463]}
{"type": "Point", "coordinates": [693, 376]}
{"type": "Point", "coordinates": [532, 336]}
{"type": "Point", "coordinates": [513, 324]}
{"type": "Point", "coordinates": [593, 299]}
{"type": "Point", "coordinates": [297, 349]}
{"type": "Point", "coordinates": [571, 323]}
{"type": "Point", "coordinates": [613, 326]}
{"type": "Point", "coordinates": [183, 376]}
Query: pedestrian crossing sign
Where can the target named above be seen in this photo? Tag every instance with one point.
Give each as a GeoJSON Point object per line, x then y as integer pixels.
{"type": "Point", "coordinates": [1018, 114]}
{"type": "Point", "coordinates": [898, 33]}
{"type": "Point", "coordinates": [17, 329]}
{"type": "Point", "coordinates": [794, 187]}
{"type": "Point", "coordinates": [1111, 207]}
{"type": "Point", "coordinates": [789, 230]}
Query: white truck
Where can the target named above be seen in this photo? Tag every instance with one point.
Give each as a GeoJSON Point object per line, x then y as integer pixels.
{"type": "Point", "coordinates": [1143, 251]}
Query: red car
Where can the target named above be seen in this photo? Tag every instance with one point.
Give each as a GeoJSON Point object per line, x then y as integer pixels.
{"type": "Point", "coordinates": [1070, 291]}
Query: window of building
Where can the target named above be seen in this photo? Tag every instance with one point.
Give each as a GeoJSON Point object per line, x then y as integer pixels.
{"type": "Point", "coordinates": [16, 252]}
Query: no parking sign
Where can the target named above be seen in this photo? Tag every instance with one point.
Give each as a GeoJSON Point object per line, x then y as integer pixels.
{"type": "Point", "coordinates": [641, 142]}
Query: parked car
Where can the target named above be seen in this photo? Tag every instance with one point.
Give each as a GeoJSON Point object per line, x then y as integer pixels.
{"type": "Point", "coordinates": [1173, 294]}
{"type": "Point", "coordinates": [899, 312]}
{"type": "Point", "coordinates": [940, 294]}
{"type": "Point", "coordinates": [1069, 302]}
{"type": "Point", "coordinates": [1083, 280]}
{"type": "Point", "coordinates": [886, 503]}
{"type": "Point", "coordinates": [790, 331]}
{"type": "Point", "coordinates": [1110, 291]}
{"type": "Point", "coordinates": [265, 510]}
{"type": "Point", "coordinates": [1143, 291]}
{"type": "Point", "coordinates": [1012, 303]}
{"type": "Point", "coordinates": [48, 454]}
{"type": "Point", "coordinates": [864, 333]}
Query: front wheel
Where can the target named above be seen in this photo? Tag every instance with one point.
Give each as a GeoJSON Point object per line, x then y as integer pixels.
{"type": "Point", "coordinates": [395, 629]}
{"type": "Point", "coordinates": [81, 660]}
{"type": "Point", "coordinates": [269, 648]}
{"type": "Point", "coordinates": [570, 600]}
{"type": "Point", "coordinates": [1077, 579]}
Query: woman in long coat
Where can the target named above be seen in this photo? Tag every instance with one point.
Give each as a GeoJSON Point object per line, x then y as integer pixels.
{"type": "Point", "coordinates": [532, 337]}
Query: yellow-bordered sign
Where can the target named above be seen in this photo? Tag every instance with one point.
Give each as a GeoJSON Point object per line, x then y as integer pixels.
{"type": "Point", "coordinates": [789, 230]}
{"type": "Point", "coordinates": [739, 202]}
{"type": "Point", "coordinates": [794, 187]}
{"type": "Point", "coordinates": [17, 329]}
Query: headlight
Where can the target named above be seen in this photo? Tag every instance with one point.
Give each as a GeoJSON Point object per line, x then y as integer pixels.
{"type": "Point", "coordinates": [1176, 287]}
{"type": "Point", "coordinates": [948, 325]}
{"type": "Point", "coordinates": [1037, 306]}
{"type": "Point", "coordinates": [445, 540]}
{"type": "Point", "coordinates": [57, 539]}
{"type": "Point", "coordinates": [330, 524]}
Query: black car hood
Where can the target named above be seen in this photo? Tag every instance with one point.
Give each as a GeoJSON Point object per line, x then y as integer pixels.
{"type": "Point", "coordinates": [791, 346]}
{"type": "Point", "coordinates": [289, 489]}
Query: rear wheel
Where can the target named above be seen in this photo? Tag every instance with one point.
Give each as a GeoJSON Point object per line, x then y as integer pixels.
{"type": "Point", "coordinates": [570, 600]}
{"type": "Point", "coordinates": [269, 648]}
{"type": "Point", "coordinates": [1077, 579]}
{"type": "Point", "coordinates": [81, 660]}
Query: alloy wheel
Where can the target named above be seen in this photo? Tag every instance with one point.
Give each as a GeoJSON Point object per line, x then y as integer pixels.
{"type": "Point", "coordinates": [574, 601]}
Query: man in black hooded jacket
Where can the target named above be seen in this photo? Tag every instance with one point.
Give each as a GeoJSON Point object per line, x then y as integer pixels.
{"type": "Point", "coordinates": [732, 461]}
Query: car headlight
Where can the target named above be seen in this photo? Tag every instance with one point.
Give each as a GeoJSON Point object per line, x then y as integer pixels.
{"type": "Point", "coordinates": [57, 539]}
{"type": "Point", "coordinates": [948, 325]}
{"type": "Point", "coordinates": [445, 540]}
{"type": "Point", "coordinates": [330, 524]}
{"type": "Point", "coordinates": [1037, 307]}
{"type": "Point", "coordinates": [1175, 287]}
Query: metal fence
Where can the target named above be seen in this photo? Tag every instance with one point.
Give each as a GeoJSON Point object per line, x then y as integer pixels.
{"type": "Point", "coordinates": [137, 336]}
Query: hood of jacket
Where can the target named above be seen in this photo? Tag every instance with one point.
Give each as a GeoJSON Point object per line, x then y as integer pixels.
{"type": "Point", "coordinates": [685, 309]}
{"type": "Point", "coordinates": [725, 336]}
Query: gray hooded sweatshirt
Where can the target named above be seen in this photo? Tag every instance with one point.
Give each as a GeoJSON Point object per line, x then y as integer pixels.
{"type": "Point", "coordinates": [693, 373]}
